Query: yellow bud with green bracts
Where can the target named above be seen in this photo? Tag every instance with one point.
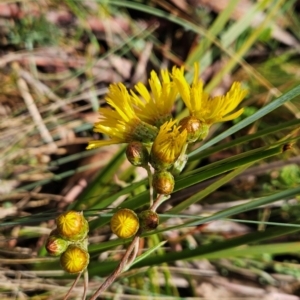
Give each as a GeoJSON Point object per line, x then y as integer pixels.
{"type": "Point", "coordinates": [196, 129]}
{"type": "Point", "coordinates": [72, 226]}
{"type": "Point", "coordinates": [149, 220]}
{"type": "Point", "coordinates": [137, 154]}
{"type": "Point", "coordinates": [55, 244]}
{"type": "Point", "coordinates": [75, 259]}
{"type": "Point", "coordinates": [124, 223]}
{"type": "Point", "coordinates": [163, 182]}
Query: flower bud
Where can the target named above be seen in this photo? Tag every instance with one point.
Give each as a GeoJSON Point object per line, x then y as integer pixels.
{"type": "Point", "coordinates": [72, 225]}
{"type": "Point", "coordinates": [196, 129]}
{"type": "Point", "coordinates": [163, 182]}
{"type": "Point", "coordinates": [149, 220]}
{"type": "Point", "coordinates": [74, 259]}
{"type": "Point", "coordinates": [179, 165]}
{"type": "Point", "coordinates": [167, 146]}
{"type": "Point", "coordinates": [137, 154]}
{"type": "Point", "coordinates": [124, 223]}
{"type": "Point", "coordinates": [55, 245]}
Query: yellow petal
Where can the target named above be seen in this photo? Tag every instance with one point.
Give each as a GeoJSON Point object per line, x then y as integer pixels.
{"type": "Point", "coordinates": [233, 116]}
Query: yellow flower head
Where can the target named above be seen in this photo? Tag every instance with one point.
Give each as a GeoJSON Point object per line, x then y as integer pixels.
{"type": "Point", "coordinates": [122, 124]}
{"type": "Point", "coordinates": [124, 223]}
{"type": "Point", "coordinates": [155, 108]}
{"type": "Point", "coordinates": [74, 259]}
{"type": "Point", "coordinates": [202, 107]}
{"type": "Point", "coordinates": [167, 146]}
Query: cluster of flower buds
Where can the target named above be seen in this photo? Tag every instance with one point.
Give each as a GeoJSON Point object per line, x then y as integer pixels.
{"type": "Point", "coordinates": [164, 153]}
{"type": "Point", "coordinates": [125, 223]}
{"type": "Point", "coordinates": [69, 241]}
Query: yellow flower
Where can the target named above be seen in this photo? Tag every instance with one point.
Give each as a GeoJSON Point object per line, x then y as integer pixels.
{"type": "Point", "coordinates": [122, 124]}
{"type": "Point", "coordinates": [208, 110]}
{"type": "Point", "coordinates": [167, 146]}
{"type": "Point", "coordinates": [155, 108]}
{"type": "Point", "coordinates": [124, 223]}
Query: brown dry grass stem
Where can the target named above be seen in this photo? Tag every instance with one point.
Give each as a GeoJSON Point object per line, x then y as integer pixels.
{"type": "Point", "coordinates": [112, 277]}
{"type": "Point", "coordinates": [32, 108]}
{"type": "Point", "coordinates": [73, 286]}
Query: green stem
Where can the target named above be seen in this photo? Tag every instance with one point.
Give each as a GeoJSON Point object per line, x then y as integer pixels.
{"type": "Point", "coordinates": [150, 179]}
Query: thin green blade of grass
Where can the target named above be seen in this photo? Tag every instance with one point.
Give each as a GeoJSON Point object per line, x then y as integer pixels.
{"type": "Point", "coordinates": [228, 36]}
{"type": "Point", "coordinates": [197, 197]}
{"type": "Point", "coordinates": [226, 249]}
{"type": "Point", "coordinates": [257, 250]}
{"type": "Point", "coordinates": [147, 253]}
{"type": "Point", "coordinates": [126, 190]}
{"type": "Point", "coordinates": [241, 208]}
{"type": "Point", "coordinates": [206, 251]}
{"type": "Point", "coordinates": [264, 223]}
{"type": "Point", "coordinates": [73, 157]}
{"type": "Point", "coordinates": [106, 201]}
{"type": "Point", "coordinates": [225, 165]}
{"type": "Point", "coordinates": [241, 25]}
{"type": "Point", "coordinates": [246, 46]}
{"type": "Point", "coordinates": [240, 156]}
{"type": "Point", "coordinates": [101, 247]}
{"type": "Point", "coordinates": [213, 31]}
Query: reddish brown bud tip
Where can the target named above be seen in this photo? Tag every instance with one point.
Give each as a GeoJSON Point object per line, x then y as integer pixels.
{"type": "Point", "coordinates": [149, 220]}
{"type": "Point", "coordinates": [137, 154]}
{"type": "Point", "coordinates": [55, 245]}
